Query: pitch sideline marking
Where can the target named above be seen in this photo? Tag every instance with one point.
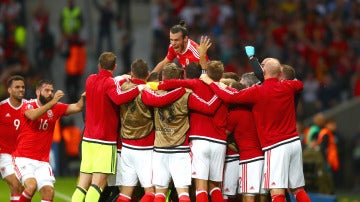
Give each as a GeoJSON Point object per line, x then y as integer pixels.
{"type": "Point", "coordinates": [62, 196]}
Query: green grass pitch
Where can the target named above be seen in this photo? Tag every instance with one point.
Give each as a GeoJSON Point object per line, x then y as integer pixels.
{"type": "Point", "coordinates": [64, 187]}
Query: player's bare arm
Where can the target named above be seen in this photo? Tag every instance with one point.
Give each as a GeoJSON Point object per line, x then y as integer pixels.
{"type": "Point", "coordinates": [34, 114]}
{"type": "Point", "coordinates": [161, 64]}
{"type": "Point", "coordinates": [78, 106]}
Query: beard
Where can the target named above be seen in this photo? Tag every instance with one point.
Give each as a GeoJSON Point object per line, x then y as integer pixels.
{"type": "Point", "coordinates": [44, 100]}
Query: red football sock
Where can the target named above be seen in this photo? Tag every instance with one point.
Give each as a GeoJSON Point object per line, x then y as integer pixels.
{"type": "Point", "coordinates": [278, 198]}
{"type": "Point", "coordinates": [160, 197]}
{"type": "Point", "coordinates": [184, 197]}
{"type": "Point", "coordinates": [301, 196]}
{"type": "Point", "coordinates": [202, 196]}
{"type": "Point", "coordinates": [148, 197]}
{"type": "Point", "coordinates": [123, 198]}
{"type": "Point", "coordinates": [25, 197]}
{"type": "Point", "coordinates": [216, 195]}
{"type": "Point", "coordinates": [15, 197]}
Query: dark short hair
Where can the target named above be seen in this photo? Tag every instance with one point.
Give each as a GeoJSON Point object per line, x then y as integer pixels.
{"type": "Point", "coordinates": [43, 82]}
{"type": "Point", "coordinates": [237, 85]}
{"type": "Point", "coordinates": [140, 69]}
{"type": "Point", "coordinates": [193, 70]}
{"type": "Point", "coordinates": [231, 75]}
{"type": "Point", "coordinates": [181, 27]}
{"type": "Point", "coordinates": [154, 76]}
{"type": "Point", "coordinates": [14, 78]}
{"type": "Point", "coordinates": [107, 60]}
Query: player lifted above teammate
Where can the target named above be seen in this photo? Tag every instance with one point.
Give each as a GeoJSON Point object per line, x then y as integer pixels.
{"type": "Point", "coordinates": [181, 47]}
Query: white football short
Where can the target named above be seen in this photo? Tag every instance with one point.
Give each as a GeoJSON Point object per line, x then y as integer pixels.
{"type": "Point", "coordinates": [208, 160]}
{"type": "Point", "coordinates": [172, 165]}
{"type": "Point", "coordinates": [6, 165]}
{"type": "Point", "coordinates": [231, 176]}
{"type": "Point", "coordinates": [283, 166]}
{"type": "Point", "coordinates": [136, 165]}
{"type": "Point", "coordinates": [26, 168]}
{"type": "Point", "coordinates": [250, 176]}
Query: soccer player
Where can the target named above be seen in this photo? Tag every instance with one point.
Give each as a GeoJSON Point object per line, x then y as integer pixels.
{"type": "Point", "coordinates": [99, 143]}
{"type": "Point", "coordinates": [274, 115]}
{"type": "Point", "coordinates": [207, 134]}
{"type": "Point", "coordinates": [137, 134]}
{"type": "Point", "coordinates": [10, 122]}
{"type": "Point", "coordinates": [181, 47]}
{"type": "Point", "coordinates": [31, 155]}
{"type": "Point", "coordinates": [241, 121]}
{"type": "Point", "coordinates": [171, 148]}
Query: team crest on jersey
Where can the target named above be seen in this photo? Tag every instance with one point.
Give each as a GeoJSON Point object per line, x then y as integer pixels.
{"type": "Point", "coordinates": [50, 113]}
{"type": "Point", "coordinates": [29, 106]}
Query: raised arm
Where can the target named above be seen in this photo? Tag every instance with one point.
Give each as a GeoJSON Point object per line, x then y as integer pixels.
{"type": "Point", "coordinates": [207, 107]}
{"type": "Point", "coordinates": [34, 114]}
{"type": "Point", "coordinates": [151, 98]}
{"type": "Point", "coordinates": [76, 107]}
{"type": "Point", "coordinates": [254, 63]}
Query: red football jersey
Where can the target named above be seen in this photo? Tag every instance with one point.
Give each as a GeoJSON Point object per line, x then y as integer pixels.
{"type": "Point", "coordinates": [189, 55]}
{"type": "Point", "coordinates": [36, 137]}
{"type": "Point", "coordinates": [10, 123]}
{"type": "Point", "coordinates": [241, 123]}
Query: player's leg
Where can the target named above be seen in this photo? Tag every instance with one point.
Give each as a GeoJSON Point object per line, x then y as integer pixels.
{"type": "Point", "coordinates": [145, 174]}
{"type": "Point", "coordinates": [8, 173]}
{"type": "Point", "coordinates": [216, 168]}
{"type": "Point", "coordinates": [250, 178]}
{"type": "Point", "coordinates": [296, 175]}
{"type": "Point", "coordinates": [180, 168]}
{"type": "Point", "coordinates": [103, 163]}
{"type": "Point", "coordinates": [25, 172]}
{"type": "Point", "coordinates": [161, 175]}
{"type": "Point", "coordinates": [276, 170]}
{"type": "Point", "coordinates": [45, 181]}
{"type": "Point", "coordinates": [82, 187]}
{"type": "Point", "coordinates": [85, 175]}
{"type": "Point", "coordinates": [231, 176]}
{"type": "Point", "coordinates": [200, 168]}
{"type": "Point", "coordinates": [128, 178]}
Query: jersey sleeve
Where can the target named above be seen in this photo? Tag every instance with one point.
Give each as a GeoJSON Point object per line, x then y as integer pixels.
{"type": "Point", "coordinates": [245, 96]}
{"type": "Point", "coordinates": [118, 96]}
{"type": "Point", "coordinates": [61, 108]}
{"type": "Point", "coordinates": [207, 107]}
{"type": "Point", "coordinates": [296, 85]}
{"type": "Point", "coordinates": [151, 98]}
{"type": "Point", "coordinates": [231, 121]}
{"type": "Point", "coordinates": [256, 67]}
{"type": "Point", "coordinates": [175, 83]}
